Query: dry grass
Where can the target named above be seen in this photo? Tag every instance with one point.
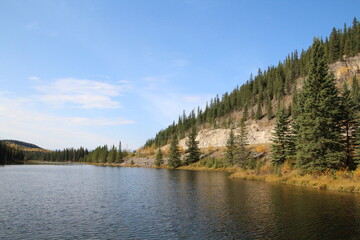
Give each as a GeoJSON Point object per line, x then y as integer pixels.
{"type": "Point", "coordinates": [345, 181]}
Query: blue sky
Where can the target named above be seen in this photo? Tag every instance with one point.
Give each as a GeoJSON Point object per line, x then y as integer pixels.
{"type": "Point", "coordinates": [88, 73]}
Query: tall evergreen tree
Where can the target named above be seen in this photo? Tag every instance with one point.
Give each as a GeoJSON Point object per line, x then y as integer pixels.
{"type": "Point", "coordinates": [334, 46]}
{"type": "Point", "coordinates": [119, 154]}
{"type": "Point", "coordinates": [245, 112]}
{"type": "Point", "coordinates": [174, 158]}
{"type": "Point", "coordinates": [241, 153]}
{"type": "Point", "coordinates": [269, 109]}
{"type": "Point", "coordinates": [318, 121]}
{"type": "Point", "coordinates": [348, 111]}
{"type": "Point", "coordinates": [193, 151]}
{"type": "Point", "coordinates": [280, 139]}
{"type": "Point", "coordinates": [258, 115]}
{"type": "Point", "coordinates": [112, 155]}
{"type": "Point", "coordinates": [357, 143]}
{"type": "Point", "coordinates": [159, 158]}
{"type": "Point", "coordinates": [231, 147]}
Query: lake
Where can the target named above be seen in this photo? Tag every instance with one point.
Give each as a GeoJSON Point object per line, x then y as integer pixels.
{"type": "Point", "coordinates": [92, 202]}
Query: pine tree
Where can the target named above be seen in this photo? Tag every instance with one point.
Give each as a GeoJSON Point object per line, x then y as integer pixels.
{"type": "Point", "coordinates": [280, 139]}
{"type": "Point", "coordinates": [241, 153]}
{"type": "Point", "coordinates": [159, 158]}
{"type": "Point", "coordinates": [174, 158]}
{"type": "Point", "coordinates": [245, 112]}
{"type": "Point", "coordinates": [112, 155]}
{"type": "Point", "coordinates": [269, 109]}
{"type": "Point", "coordinates": [318, 138]}
{"type": "Point", "coordinates": [119, 154]}
{"type": "Point", "coordinates": [355, 91]}
{"type": "Point", "coordinates": [334, 43]}
{"type": "Point", "coordinates": [258, 111]}
{"type": "Point", "coordinates": [357, 142]}
{"type": "Point", "coordinates": [348, 111]}
{"type": "Point", "coordinates": [193, 151]}
{"type": "Point", "coordinates": [231, 148]}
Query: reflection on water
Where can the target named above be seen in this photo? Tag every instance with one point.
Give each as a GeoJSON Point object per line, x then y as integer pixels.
{"type": "Point", "coordinates": [88, 202]}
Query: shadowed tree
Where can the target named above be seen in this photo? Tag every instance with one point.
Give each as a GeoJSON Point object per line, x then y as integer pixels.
{"type": "Point", "coordinates": [174, 157]}
{"type": "Point", "coordinates": [159, 158]}
{"type": "Point", "coordinates": [193, 151]}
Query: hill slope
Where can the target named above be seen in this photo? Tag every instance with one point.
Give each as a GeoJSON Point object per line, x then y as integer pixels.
{"type": "Point", "coordinates": [24, 146]}
{"type": "Point", "coordinates": [260, 97]}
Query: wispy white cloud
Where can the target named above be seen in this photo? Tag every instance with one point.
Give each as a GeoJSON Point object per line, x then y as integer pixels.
{"type": "Point", "coordinates": [34, 78]}
{"type": "Point", "coordinates": [180, 62]}
{"type": "Point", "coordinates": [81, 93]}
{"type": "Point", "coordinates": [29, 124]}
{"type": "Point", "coordinates": [165, 100]}
{"type": "Point", "coordinates": [193, 99]}
{"type": "Point", "coordinates": [155, 82]}
{"type": "Point", "coordinates": [32, 26]}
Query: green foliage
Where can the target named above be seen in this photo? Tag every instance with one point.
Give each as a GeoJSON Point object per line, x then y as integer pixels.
{"type": "Point", "coordinates": [159, 158]}
{"type": "Point", "coordinates": [258, 115]}
{"type": "Point", "coordinates": [174, 157]}
{"type": "Point", "coordinates": [10, 155]}
{"type": "Point", "coordinates": [231, 148]}
{"type": "Point", "coordinates": [212, 162]}
{"type": "Point", "coordinates": [193, 151]}
{"type": "Point", "coordinates": [243, 155]}
{"type": "Point", "coordinates": [65, 155]}
{"type": "Point", "coordinates": [119, 158]}
{"type": "Point", "coordinates": [112, 155]}
{"type": "Point", "coordinates": [281, 139]}
{"type": "Point", "coordinates": [318, 138]}
{"type": "Point", "coordinates": [273, 82]}
{"type": "Point", "coordinates": [348, 116]}
{"type": "Point", "coordinates": [236, 152]}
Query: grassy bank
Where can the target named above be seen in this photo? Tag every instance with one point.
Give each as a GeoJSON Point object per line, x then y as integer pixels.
{"type": "Point", "coordinates": [344, 181]}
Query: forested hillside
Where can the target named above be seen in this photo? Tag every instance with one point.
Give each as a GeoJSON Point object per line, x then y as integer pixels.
{"type": "Point", "coordinates": [9, 155]}
{"type": "Point", "coordinates": [268, 88]}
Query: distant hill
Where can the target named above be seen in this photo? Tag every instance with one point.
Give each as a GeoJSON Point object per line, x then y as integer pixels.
{"type": "Point", "coordinates": [23, 145]}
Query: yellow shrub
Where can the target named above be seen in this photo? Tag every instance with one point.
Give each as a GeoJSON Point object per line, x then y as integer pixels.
{"type": "Point", "coordinates": [260, 149]}
{"type": "Point", "coordinates": [286, 168]}
{"type": "Point", "coordinates": [356, 174]}
{"type": "Point", "coordinates": [344, 173]}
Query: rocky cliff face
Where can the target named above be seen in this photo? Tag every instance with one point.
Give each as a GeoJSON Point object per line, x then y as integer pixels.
{"type": "Point", "coordinates": [347, 68]}
{"type": "Point", "coordinates": [260, 132]}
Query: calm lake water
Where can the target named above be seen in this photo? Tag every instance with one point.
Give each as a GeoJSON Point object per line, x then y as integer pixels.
{"type": "Point", "coordinates": [90, 202]}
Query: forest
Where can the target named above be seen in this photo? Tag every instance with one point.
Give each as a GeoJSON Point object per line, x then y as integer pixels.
{"type": "Point", "coordinates": [10, 155]}
{"type": "Point", "coordinates": [101, 154]}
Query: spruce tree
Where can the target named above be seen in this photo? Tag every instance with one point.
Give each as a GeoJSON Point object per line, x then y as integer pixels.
{"type": "Point", "coordinates": [357, 143]}
{"type": "Point", "coordinates": [318, 138]}
{"type": "Point", "coordinates": [159, 158]}
{"type": "Point", "coordinates": [348, 111]}
{"type": "Point", "coordinates": [241, 153]}
{"type": "Point", "coordinates": [119, 154]}
{"type": "Point", "coordinates": [174, 157]}
{"type": "Point", "coordinates": [245, 112]}
{"type": "Point", "coordinates": [355, 91]}
{"type": "Point", "coordinates": [269, 109]}
{"type": "Point", "coordinates": [231, 147]}
{"type": "Point", "coordinates": [193, 151]}
{"type": "Point", "coordinates": [112, 155]}
{"type": "Point", "coordinates": [280, 138]}
{"type": "Point", "coordinates": [258, 111]}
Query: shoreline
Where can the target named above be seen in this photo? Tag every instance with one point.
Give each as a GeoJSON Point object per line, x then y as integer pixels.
{"type": "Point", "coordinates": [342, 181]}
